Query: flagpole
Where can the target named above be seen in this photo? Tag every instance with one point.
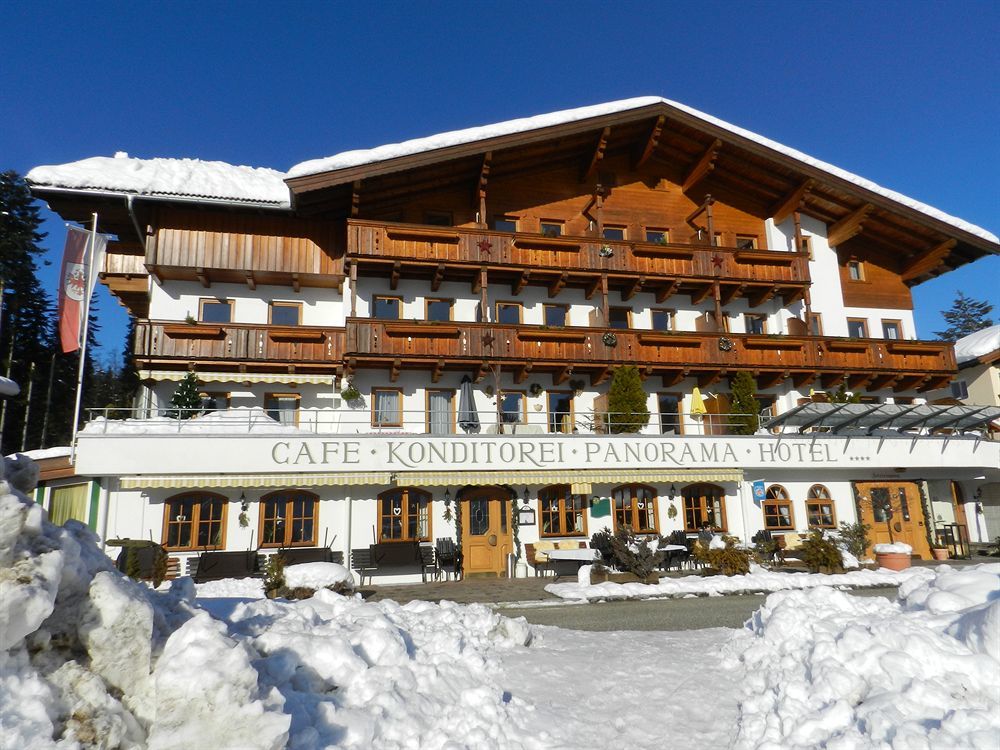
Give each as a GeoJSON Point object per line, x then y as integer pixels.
{"type": "Point", "coordinates": [83, 343]}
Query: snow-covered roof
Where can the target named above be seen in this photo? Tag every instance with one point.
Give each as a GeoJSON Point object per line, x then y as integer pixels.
{"type": "Point", "coordinates": [59, 451]}
{"type": "Point", "coordinates": [524, 124]}
{"type": "Point", "coordinates": [191, 178]}
{"type": "Point", "coordinates": [978, 344]}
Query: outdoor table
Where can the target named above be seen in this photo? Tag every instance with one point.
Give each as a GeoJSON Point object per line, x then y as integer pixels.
{"type": "Point", "coordinates": [569, 557]}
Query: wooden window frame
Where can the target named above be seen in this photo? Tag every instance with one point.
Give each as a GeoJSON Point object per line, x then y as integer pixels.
{"type": "Point", "coordinates": [899, 329]}
{"type": "Point", "coordinates": [688, 500]}
{"type": "Point", "coordinates": [560, 494]}
{"type": "Point", "coordinates": [296, 396]}
{"type": "Point", "coordinates": [448, 216]}
{"type": "Point", "coordinates": [812, 499]}
{"type": "Point", "coordinates": [195, 521]}
{"type": "Point", "coordinates": [671, 314]}
{"type": "Point", "coordinates": [376, 297]}
{"type": "Point", "coordinates": [548, 410]}
{"type": "Point", "coordinates": [520, 310]}
{"type": "Point", "coordinates": [427, 407]}
{"type": "Point", "coordinates": [806, 246]}
{"type": "Point", "coordinates": [405, 513]}
{"type": "Point", "coordinates": [633, 509]}
{"type": "Point", "coordinates": [679, 414]}
{"type": "Point", "coordinates": [554, 222]}
{"type": "Point", "coordinates": [854, 263]}
{"type": "Point", "coordinates": [545, 309]}
{"type": "Point", "coordinates": [752, 239]}
{"type": "Point", "coordinates": [214, 301]}
{"type": "Point", "coordinates": [290, 496]}
{"type": "Point", "coordinates": [279, 303]}
{"type": "Point", "coordinates": [664, 231]}
{"type": "Point", "coordinates": [399, 409]}
{"type": "Point", "coordinates": [818, 319]}
{"type": "Point", "coordinates": [622, 227]}
{"type": "Point", "coordinates": [748, 316]}
{"type": "Point", "coordinates": [772, 500]}
{"type": "Point", "coordinates": [864, 327]}
{"type": "Point", "coordinates": [451, 307]}
{"type": "Point", "coordinates": [628, 316]}
{"type": "Point", "coordinates": [516, 220]}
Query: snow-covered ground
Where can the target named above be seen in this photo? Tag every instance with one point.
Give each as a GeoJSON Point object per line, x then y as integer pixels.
{"type": "Point", "coordinates": [90, 659]}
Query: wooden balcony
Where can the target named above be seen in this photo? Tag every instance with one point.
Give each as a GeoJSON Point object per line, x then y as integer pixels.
{"type": "Point", "coordinates": [125, 275]}
{"type": "Point", "coordinates": [230, 346]}
{"type": "Point", "coordinates": [872, 364]}
{"type": "Point", "coordinates": [457, 254]}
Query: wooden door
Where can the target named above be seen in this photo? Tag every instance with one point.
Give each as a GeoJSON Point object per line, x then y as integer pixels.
{"type": "Point", "coordinates": [487, 538]}
{"type": "Point", "coordinates": [906, 518]}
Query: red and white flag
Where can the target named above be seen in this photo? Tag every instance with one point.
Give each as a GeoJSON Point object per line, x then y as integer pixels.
{"type": "Point", "coordinates": [74, 286]}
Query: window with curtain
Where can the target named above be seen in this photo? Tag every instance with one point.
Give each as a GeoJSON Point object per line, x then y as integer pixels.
{"type": "Point", "coordinates": [404, 515]}
{"type": "Point", "coordinates": [440, 412]}
{"type": "Point", "coordinates": [778, 509]}
{"type": "Point", "coordinates": [282, 407]}
{"type": "Point", "coordinates": [561, 512]}
{"type": "Point", "coordinates": [387, 408]}
{"type": "Point", "coordinates": [288, 519]}
{"type": "Point", "coordinates": [635, 507]}
{"type": "Point", "coordinates": [194, 520]}
{"type": "Point", "coordinates": [69, 502]}
{"type": "Point", "coordinates": [704, 504]}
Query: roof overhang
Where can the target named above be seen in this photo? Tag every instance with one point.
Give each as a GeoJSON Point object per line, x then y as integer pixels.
{"type": "Point", "coordinates": [837, 418]}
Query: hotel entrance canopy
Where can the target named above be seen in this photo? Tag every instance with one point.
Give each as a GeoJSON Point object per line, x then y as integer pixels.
{"type": "Point", "coordinates": [837, 418]}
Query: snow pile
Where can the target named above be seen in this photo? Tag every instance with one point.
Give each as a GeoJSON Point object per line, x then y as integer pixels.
{"type": "Point", "coordinates": [59, 451]}
{"type": "Point", "coordinates": [237, 420]}
{"type": "Point", "coordinates": [317, 575]}
{"type": "Point", "coordinates": [188, 177]}
{"type": "Point", "coordinates": [830, 670]}
{"type": "Point", "coordinates": [978, 344]}
{"type": "Point", "coordinates": [8, 387]}
{"type": "Point", "coordinates": [757, 581]}
{"type": "Point", "coordinates": [896, 548]}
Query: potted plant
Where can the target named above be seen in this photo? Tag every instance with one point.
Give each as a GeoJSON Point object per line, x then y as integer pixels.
{"type": "Point", "coordinates": [894, 556]}
{"type": "Point", "coordinates": [939, 552]}
{"type": "Point", "coordinates": [350, 393]}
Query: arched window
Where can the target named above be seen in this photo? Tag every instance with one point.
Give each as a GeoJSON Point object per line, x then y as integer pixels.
{"type": "Point", "coordinates": [404, 515]}
{"type": "Point", "coordinates": [778, 509]}
{"type": "Point", "coordinates": [194, 520]}
{"type": "Point", "coordinates": [704, 504]}
{"type": "Point", "coordinates": [635, 507]}
{"type": "Point", "coordinates": [288, 519]}
{"type": "Point", "coordinates": [819, 508]}
{"type": "Point", "coordinates": [562, 513]}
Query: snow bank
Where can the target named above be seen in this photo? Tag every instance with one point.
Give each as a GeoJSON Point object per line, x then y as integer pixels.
{"type": "Point", "coordinates": [830, 670]}
{"type": "Point", "coordinates": [317, 575]}
{"type": "Point", "coordinates": [756, 581]}
{"type": "Point", "coordinates": [237, 420]}
{"type": "Point", "coordinates": [8, 387]}
{"type": "Point", "coordinates": [896, 548]}
{"type": "Point", "coordinates": [180, 177]}
{"type": "Point", "coordinates": [978, 344]}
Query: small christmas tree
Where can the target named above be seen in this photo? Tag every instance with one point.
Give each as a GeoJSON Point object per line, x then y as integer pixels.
{"type": "Point", "coordinates": [745, 408]}
{"type": "Point", "coordinates": [627, 401]}
{"type": "Point", "coordinates": [967, 315]}
{"type": "Point", "coordinates": [186, 401]}
{"type": "Point", "coordinates": [841, 396]}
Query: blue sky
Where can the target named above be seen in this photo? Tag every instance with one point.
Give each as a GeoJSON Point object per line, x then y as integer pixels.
{"type": "Point", "coordinates": [905, 94]}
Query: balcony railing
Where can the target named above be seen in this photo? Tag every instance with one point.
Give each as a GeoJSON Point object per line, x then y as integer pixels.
{"type": "Point", "coordinates": [238, 342]}
{"type": "Point", "coordinates": [455, 245]}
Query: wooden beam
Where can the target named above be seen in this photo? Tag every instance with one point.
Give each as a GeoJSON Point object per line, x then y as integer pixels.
{"type": "Point", "coordinates": [592, 286]}
{"type": "Point", "coordinates": [517, 286]}
{"type": "Point", "coordinates": [521, 373]}
{"type": "Point", "coordinates": [350, 367]}
{"type": "Point", "coordinates": [561, 375]}
{"type": "Point", "coordinates": [909, 383]}
{"type": "Point", "coordinates": [702, 167]}
{"type": "Point", "coordinates": [793, 202]}
{"type": "Point", "coordinates": [556, 286]}
{"type": "Point", "coordinates": [605, 308]}
{"type": "Point", "coordinates": [673, 377]}
{"type": "Point", "coordinates": [879, 382]}
{"type": "Point", "coordinates": [598, 155]}
{"type": "Point", "coordinates": [849, 226]}
{"type": "Point", "coordinates": [202, 276]}
{"type": "Point", "coordinates": [634, 288]}
{"type": "Point", "coordinates": [296, 283]}
{"type": "Point", "coordinates": [354, 289]}
{"type": "Point", "coordinates": [599, 376]}
{"type": "Point", "coordinates": [397, 366]}
{"type": "Point", "coordinates": [708, 378]}
{"type": "Point", "coordinates": [937, 383]}
{"type": "Point", "coordinates": [484, 367]}
{"type": "Point", "coordinates": [645, 373]}
{"type": "Point", "coordinates": [477, 283]}
{"type": "Point", "coordinates": [700, 295]}
{"type": "Point", "coordinates": [652, 142]}
{"type": "Point", "coordinates": [394, 277]}
{"type": "Point", "coordinates": [793, 295]}
{"type": "Point", "coordinates": [919, 264]}
{"type": "Point", "coordinates": [761, 296]}
{"type": "Point", "coordinates": [438, 371]}
{"type": "Point", "coordinates": [833, 379]}
{"type": "Point", "coordinates": [251, 282]}
{"type": "Point", "coordinates": [767, 380]}
{"type": "Point", "coordinates": [484, 174]}
{"type": "Point", "coordinates": [800, 379]}
{"type": "Point", "coordinates": [859, 381]}
{"type": "Point", "coordinates": [355, 199]}
{"type": "Point", "coordinates": [438, 277]}
{"type": "Point", "coordinates": [732, 291]}
{"type": "Point", "coordinates": [665, 292]}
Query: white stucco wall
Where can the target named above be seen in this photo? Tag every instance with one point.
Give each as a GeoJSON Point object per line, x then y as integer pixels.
{"type": "Point", "coordinates": [178, 299]}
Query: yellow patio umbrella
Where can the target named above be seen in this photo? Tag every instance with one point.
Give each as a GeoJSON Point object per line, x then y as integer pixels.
{"type": "Point", "coordinates": [697, 403]}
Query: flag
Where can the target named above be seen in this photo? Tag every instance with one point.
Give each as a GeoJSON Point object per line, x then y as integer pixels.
{"type": "Point", "coordinates": [74, 286]}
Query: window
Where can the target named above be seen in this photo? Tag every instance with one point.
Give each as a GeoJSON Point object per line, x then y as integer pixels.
{"type": "Point", "coordinates": [214, 401]}
{"type": "Point", "coordinates": [777, 508]}
{"type": "Point", "coordinates": [440, 412]}
{"type": "Point", "coordinates": [754, 323]}
{"type": "Point", "coordinates": [620, 317]}
{"type": "Point", "coordinates": [855, 270]}
{"type": "Point", "coordinates": [815, 321]}
{"type": "Point", "coordinates": [69, 501]}
{"type": "Point", "coordinates": [806, 247]}
{"type": "Point", "coordinates": [288, 519]}
{"type": "Point", "coordinates": [505, 224]}
{"type": "Point", "coordinates": [657, 236]}
{"type": "Point", "coordinates": [561, 513]}
{"type": "Point", "coordinates": [663, 320]}
{"type": "Point", "coordinates": [285, 313]}
{"type": "Point", "coordinates": [387, 407]}
{"type": "Point", "coordinates": [386, 308]}
{"type": "Point", "coordinates": [857, 328]}
{"type": "Point", "coordinates": [513, 407]}
{"type": "Point", "coordinates": [704, 505]}
{"type": "Point", "coordinates": [746, 242]}
{"type": "Point", "coordinates": [215, 311]}
{"type": "Point", "coordinates": [819, 508]}
{"type": "Point", "coordinates": [438, 309]}
{"type": "Point", "coordinates": [614, 232]}
{"type": "Point", "coordinates": [670, 418]}
{"type": "Point", "coordinates": [438, 218]}
{"type": "Point", "coordinates": [635, 507]}
{"type": "Point", "coordinates": [551, 228]}
{"type": "Point", "coordinates": [404, 515]}
{"type": "Point", "coordinates": [892, 329]}
{"type": "Point", "coordinates": [195, 520]}
{"type": "Point", "coordinates": [282, 407]}
{"type": "Point", "coordinates": [509, 313]}
{"type": "Point", "coordinates": [555, 315]}
{"type": "Point", "coordinates": [560, 411]}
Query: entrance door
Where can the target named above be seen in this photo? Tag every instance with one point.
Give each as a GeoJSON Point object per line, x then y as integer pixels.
{"type": "Point", "coordinates": [486, 533]}
{"type": "Point", "coordinates": [906, 519]}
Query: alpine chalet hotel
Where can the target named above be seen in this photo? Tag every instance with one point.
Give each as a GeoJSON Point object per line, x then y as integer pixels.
{"type": "Point", "coordinates": [414, 343]}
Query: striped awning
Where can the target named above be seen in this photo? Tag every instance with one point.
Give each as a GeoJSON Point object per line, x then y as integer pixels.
{"type": "Point", "coordinates": [580, 480]}
{"type": "Point", "coordinates": [240, 377]}
{"type": "Point", "coordinates": [199, 481]}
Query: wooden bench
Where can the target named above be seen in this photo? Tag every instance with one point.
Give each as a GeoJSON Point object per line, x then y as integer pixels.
{"type": "Point", "coordinates": [300, 555]}
{"type": "Point", "coordinates": [213, 566]}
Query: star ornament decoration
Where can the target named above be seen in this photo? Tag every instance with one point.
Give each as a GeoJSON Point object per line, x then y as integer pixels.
{"type": "Point", "coordinates": [717, 260]}
{"type": "Point", "coordinates": [488, 339]}
{"type": "Point", "coordinates": [485, 246]}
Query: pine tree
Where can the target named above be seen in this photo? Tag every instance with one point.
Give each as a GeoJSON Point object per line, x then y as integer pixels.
{"type": "Point", "coordinates": [186, 401]}
{"type": "Point", "coordinates": [841, 396]}
{"type": "Point", "coordinates": [744, 407]}
{"type": "Point", "coordinates": [627, 401]}
{"type": "Point", "coordinates": [967, 315]}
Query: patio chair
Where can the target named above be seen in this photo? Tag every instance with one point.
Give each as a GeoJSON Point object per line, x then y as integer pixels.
{"type": "Point", "coordinates": [446, 558]}
{"type": "Point", "coordinates": [363, 563]}
{"type": "Point", "coordinates": [427, 563]}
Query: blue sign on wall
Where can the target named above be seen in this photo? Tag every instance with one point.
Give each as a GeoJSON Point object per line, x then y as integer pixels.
{"type": "Point", "coordinates": [758, 493]}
